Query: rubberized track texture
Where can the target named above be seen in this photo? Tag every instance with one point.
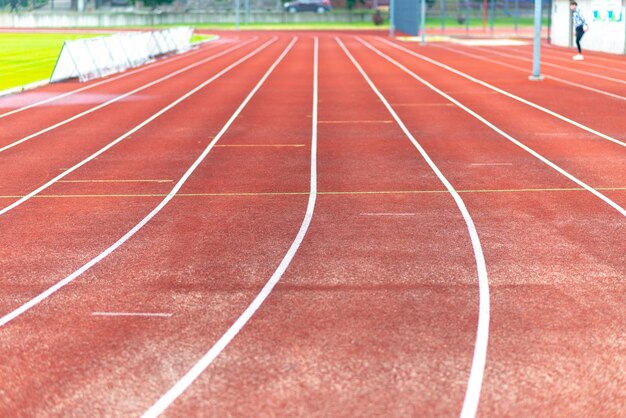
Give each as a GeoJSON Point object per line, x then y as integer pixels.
{"type": "Point", "coordinates": [317, 224]}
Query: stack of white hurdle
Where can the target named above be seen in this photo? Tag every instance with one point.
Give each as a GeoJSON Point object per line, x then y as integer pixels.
{"type": "Point", "coordinates": [90, 58]}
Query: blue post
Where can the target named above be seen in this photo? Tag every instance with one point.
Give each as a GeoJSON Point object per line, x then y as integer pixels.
{"type": "Point", "coordinates": [443, 16]}
{"type": "Point", "coordinates": [536, 76]}
{"type": "Point", "coordinates": [236, 14]}
{"type": "Point", "coordinates": [392, 26]}
{"type": "Point", "coordinates": [469, 13]}
{"type": "Point", "coordinates": [423, 21]}
{"type": "Point", "coordinates": [492, 12]}
{"type": "Point", "coordinates": [516, 15]}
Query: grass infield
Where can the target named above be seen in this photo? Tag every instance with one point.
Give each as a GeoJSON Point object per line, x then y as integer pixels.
{"type": "Point", "coordinates": [29, 57]}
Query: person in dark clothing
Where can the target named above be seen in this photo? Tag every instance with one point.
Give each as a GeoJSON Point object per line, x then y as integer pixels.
{"type": "Point", "coordinates": [580, 27]}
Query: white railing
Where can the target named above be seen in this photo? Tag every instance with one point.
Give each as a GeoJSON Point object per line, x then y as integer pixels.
{"type": "Point", "coordinates": [91, 58]}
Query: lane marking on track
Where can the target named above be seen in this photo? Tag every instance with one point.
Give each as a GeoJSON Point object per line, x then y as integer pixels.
{"type": "Point", "coordinates": [121, 97]}
{"type": "Point", "coordinates": [474, 386]}
{"type": "Point", "coordinates": [525, 70]}
{"type": "Point", "coordinates": [496, 89]}
{"type": "Point", "coordinates": [262, 146]}
{"type": "Point", "coordinates": [560, 67]}
{"type": "Point", "coordinates": [569, 60]}
{"type": "Point", "coordinates": [136, 128]}
{"type": "Point", "coordinates": [59, 285]}
{"type": "Point", "coordinates": [355, 121]}
{"type": "Point", "coordinates": [328, 193]}
{"type": "Point", "coordinates": [534, 153]}
{"type": "Point", "coordinates": [99, 83]}
{"type": "Point", "coordinates": [116, 181]}
{"type": "Point", "coordinates": [610, 59]}
{"type": "Point", "coordinates": [166, 400]}
{"type": "Point", "coordinates": [140, 314]}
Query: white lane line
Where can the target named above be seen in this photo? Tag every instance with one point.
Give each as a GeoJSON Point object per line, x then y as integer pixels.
{"type": "Point", "coordinates": [140, 314]}
{"type": "Point", "coordinates": [521, 58]}
{"type": "Point", "coordinates": [525, 70]}
{"type": "Point", "coordinates": [475, 381]}
{"type": "Point", "coordinates": [120, 97]}
{"type": "Point", "coordinates": [568, 59]}
{"type": "Point", "coordinates": [20, 89]}
{"type": "Point", "coordinates": [135, 129]}
{"type": "Point", "coordinates": [506, 93]}
{"type": "Point", "coordinates": [387, 214]}
{"type": "Point", "coordinates": [44, 295]}
{"type": "Point", "coordinates": [567, 53]}
{"type": "Point", "coordinates": [535, 154]}
{"type": "Point", "coordinates": [570, 69]}
{"type": "Point", "coordinates": [179, 387]}
{"type": "Point", "coordinates": [108, 80]}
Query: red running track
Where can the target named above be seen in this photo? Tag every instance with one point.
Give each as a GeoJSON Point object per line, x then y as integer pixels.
{"type": "Point", "coordinates": [317, 163]}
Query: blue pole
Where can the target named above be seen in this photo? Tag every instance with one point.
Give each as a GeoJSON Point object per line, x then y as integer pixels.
{"type": "Point", "coordinates": [236, 14]}
{"type": "Point", "coordinates": [443, 16]}
{"type": "Point", "coordinates": [469, 13]}
{"type": "Point", "coordinates": [492, 12]}
{"type": "Point", "coordinates": [392, 25]}
{"type": "Point", "coordinates": [516, 15]}
{"type": "Point", "coordinates": [536, 76]}
{"type": "Point", "coordinates": [423, 21]}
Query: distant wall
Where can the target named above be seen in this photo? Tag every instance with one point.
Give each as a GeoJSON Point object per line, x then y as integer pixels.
{"type": "Point", "coordinates": [76, 19]}
{"type": "Point", "coordinates": [607, 25]}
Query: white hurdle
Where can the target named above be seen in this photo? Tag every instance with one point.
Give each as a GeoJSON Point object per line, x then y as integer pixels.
{"type": "Point", "coordinates": [87, 59]}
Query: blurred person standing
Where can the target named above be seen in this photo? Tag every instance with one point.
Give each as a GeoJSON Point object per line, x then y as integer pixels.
{"type": "Point", "coordinates": [580, 27]}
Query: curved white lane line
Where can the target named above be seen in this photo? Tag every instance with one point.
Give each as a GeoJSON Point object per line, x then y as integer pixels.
{"type": "Point", "coordinates": [41, 297]}
{"type": "Point", "coordinates": [611, 59]}
{"type": "Point", "coordinates": [506, 93]}
{"type": "Point", "coordinates": [549, 64]}
{"type": "Point", "coordinates": [122, 96]}
{"type": "Point", "coordinates": [535, 154]}
{"type": "Point", "coordinates": [132, 131]}
{"type": "Point", "coordinates": [567, 57]}
{"type": "Point", "coordinates": [179, 387]}
{"type": "Point", "coordinates": [569, 69]}
{"type": "Point", "coordinates": [108, 80]}
{"type": "Point", "coordinates": [472, 395]}
{"type": "Point", "coordinates": [525, 70]}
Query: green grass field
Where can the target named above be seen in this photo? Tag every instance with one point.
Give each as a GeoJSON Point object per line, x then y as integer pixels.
{"type": "Point", "coordinates": [29, 57]}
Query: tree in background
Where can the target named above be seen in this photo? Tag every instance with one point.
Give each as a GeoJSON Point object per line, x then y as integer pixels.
{"type": "Point", "coordinates": [351, 3]}
{"type": "Point", "coordinates": [152, 4]}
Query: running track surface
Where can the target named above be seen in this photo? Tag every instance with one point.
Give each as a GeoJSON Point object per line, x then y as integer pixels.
{"type": "Point", "coordinates": [294, 224]}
